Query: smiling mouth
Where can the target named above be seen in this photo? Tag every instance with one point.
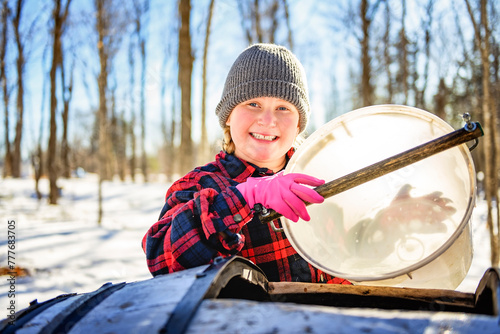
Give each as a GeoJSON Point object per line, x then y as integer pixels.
{"type": "Point", "coordinates": [262, 137]}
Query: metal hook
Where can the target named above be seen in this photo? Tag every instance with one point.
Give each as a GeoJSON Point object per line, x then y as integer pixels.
{"type": "Point", "coordinates": [476, 142]}
{"type": "Point", "coordinates": [277, 229]}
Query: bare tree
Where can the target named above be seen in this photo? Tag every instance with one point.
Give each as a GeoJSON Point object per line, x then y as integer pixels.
{"type": "Point", "coordinates": [144, 158]}
{"type": "Point", "coordinates": [167, 152]}
{"type": "Point", "coordinates": [289, 28]}
{"type": "Point", "coordinates": [20, 62]}
{"type": "Point", "coordinates": [173, 163]}
{"type": "Point", "coordinates": [366, 14]}
{"type": "Point", "coordinates": [122, 145]}
{"type": "Point", "coordinates": [491, 183]}
{"type": "Point", "coordinates": [463, 89]}
{"type": "Point", "coordinates": [67, 93]}
{"type": "Point", "coordinates": [169, 132]}
{"type": "Point", "coordinates": [204, 147]}
{"type": "Point", "coordinates": [427, 25]}
{"type": "Point", "coordinates": [441, 99]}
{"type": "Point", "coordinates": [131, 125]}
{"type": "Point", "coordinates": [109, 27]}
{"type": "Point", "coordinates": [59, 16]}
{"type": "Point", "coordinates": [37, 155]}
{"type": "Point", "coordinates": [386, 50]}
{"type": "Point", "coordinates": [118, 134]}
{"type": "Point", "coordinates": [113, 125]}
{"type": "Point", "coordinates": [117, 130]}
{"type": "Point", "coordinates": [7, 171]}
{"type": "Point", "coordinates": [140, 9]}
{"type": "Point", "coordinates": [186, 60]}
{"type": "Point", "coordinates": [168, 115]}
{"type": "Point", "coordinates": [164, 157]}
{"type": "Point", "coordinates": [402, 76]}
{"type": "Point", "coordinates": [261, 20]}
{"type": "Point", "coordinates": [102, 27]}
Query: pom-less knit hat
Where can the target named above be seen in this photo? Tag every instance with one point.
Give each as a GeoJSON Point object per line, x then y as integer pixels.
{"type": "Point", "coordinates": [265, 70]}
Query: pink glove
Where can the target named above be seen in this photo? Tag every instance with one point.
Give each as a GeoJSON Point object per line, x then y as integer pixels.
{"type": "Point", "coordinates": [282, 193]}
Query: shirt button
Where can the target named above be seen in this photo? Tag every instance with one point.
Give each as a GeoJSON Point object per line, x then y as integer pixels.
{"type": "Point", "coordinates": [237, 218]}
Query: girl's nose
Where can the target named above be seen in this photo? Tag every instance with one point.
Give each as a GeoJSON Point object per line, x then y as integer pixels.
{"type": "Point", "coordinates": [267, 118]}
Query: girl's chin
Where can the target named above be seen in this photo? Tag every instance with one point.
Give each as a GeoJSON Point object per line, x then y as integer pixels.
{"type": "Point", "coordinates": [263, 160]}
{"type": "Point", "coordinates": [264, 155]}
{"type": "Point", "coordinates": [261, 155]}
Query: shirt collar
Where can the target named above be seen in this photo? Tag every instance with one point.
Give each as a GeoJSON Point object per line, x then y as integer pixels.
{"type": "Point", "coordinates": [239, 170]}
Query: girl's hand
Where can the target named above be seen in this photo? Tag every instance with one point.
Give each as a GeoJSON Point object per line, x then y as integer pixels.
{"type": "Point", "coordinates": [285, 194]}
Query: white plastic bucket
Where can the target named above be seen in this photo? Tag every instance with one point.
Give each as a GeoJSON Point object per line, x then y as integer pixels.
{"type": "Point", "coordinates": [408, 228]}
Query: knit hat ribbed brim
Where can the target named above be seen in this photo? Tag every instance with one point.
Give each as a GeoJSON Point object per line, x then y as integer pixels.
{"type": "Point", "coordinates": [265, 70]}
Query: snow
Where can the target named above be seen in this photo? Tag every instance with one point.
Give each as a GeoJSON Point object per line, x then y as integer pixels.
{"type": "Point", "coordinates": [65, 251]}
{"type": "Point", "coordinates": [62, 245]}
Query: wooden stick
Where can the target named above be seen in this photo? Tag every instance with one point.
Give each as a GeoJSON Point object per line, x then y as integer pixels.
{"type": "Point", "coordinates": [428, 295]}
{"type": "Point", "coordinates": [391, 164]}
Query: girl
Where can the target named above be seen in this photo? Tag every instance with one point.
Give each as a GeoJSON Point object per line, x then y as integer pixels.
{"type": "Point", "coordinates": [210, 212]}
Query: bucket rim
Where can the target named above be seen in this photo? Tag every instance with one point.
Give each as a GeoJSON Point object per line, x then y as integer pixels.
{"type": "Point", "coordinates": [464, 223]}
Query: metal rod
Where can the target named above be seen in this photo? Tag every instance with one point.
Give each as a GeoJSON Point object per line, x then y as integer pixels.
{"type": "Point", "coordinates": [391, 164]}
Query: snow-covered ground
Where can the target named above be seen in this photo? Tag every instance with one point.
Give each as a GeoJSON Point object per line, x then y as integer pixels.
{"type": "Point", "coordinates": [65, 251]}
{"type": "Point", "coordinates": [63, 247]}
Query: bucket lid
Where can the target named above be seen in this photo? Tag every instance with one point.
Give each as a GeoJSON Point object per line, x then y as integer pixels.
{"type": "Point", "coordinates": [394, 224]}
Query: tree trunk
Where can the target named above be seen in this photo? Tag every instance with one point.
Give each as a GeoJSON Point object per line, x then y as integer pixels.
{"type": "Point", "coordinates": [489, 99]}
{"type": "Point", "coordinates": [403, 56]}
{"type": "Point", "coordinates": [67, 92]}
{"type": "Point", "coordinates": [420, 103]}
{"type": "Point", "coordinates": [144, 158]}
{"type": "Point", "coordinates": [440, 99]}
{"type": "Point", "coordinates": [366, 86]}
{"type": "Point", "coordinates": [51, 159]}
{"type": "Point", "coordinates": [204, 147]}
{"type": "Point", "coordinates": [255, 16]}
{"type": "Point", "coordinates": [122, 143]}
{"type": "Point", "coordinates": [102, 82]}
{"type": "Point", "coordinates": [166, 147]}
{"type": "Point", "coordinates": [37, 163]}
{"type": "Point", "coordinates": [490, 181]}
{"type": "Point", "coordinates": [113, 130]}
{"type": "Point", "coordinates": [131, 126]}
{"type": "Point", "coordinates": [289, 28]}
{"type": "Point", "coordinates": [141, 9]}
{"type": "Point", "coordinates": [172, 152]}
{"type": "Point", "coordinates": [274, 20]}
{"type": "Point", "coordinates": [52, 165]}
{"type": "Point", "coordinates": [186, 60]}
{"type": "Point", "coordinates": [386, 53]}
{"type": "Point", "coordinates": [117, 138]}
{"type": "Point", "coordinates": [16, 154]}
{"type": "Point", "coordinates": [7, 170]}
{"type": "Point", "coordinates": [257, 21]}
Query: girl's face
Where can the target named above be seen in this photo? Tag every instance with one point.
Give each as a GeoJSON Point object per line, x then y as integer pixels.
{"type": "Point", "coordinates": [263, 129]}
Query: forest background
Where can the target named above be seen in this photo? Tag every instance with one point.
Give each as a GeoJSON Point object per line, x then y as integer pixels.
{"type": "Point", "coordinates": [128, 89]}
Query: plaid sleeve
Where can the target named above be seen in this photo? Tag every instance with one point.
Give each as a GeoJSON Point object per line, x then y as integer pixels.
{"type": "Point", "coordinates": [202, 220]}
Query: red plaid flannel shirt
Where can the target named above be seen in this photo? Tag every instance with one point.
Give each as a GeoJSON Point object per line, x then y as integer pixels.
{"type": "Point", "coordinates": [205, 216]}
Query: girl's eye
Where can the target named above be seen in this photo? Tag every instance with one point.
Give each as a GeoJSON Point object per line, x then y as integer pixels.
{"type": "Point", "coordinates": [283, 108]}
{"type": "Point", "coordinates": [253, 104]}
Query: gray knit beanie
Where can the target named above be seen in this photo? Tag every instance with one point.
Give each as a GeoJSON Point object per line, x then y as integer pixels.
{"type": "Point", "coordinates": [265, 70]}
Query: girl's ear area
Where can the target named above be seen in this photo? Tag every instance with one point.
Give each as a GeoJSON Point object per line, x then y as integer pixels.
{"type": "Point", "coordinates": [228, 121]}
